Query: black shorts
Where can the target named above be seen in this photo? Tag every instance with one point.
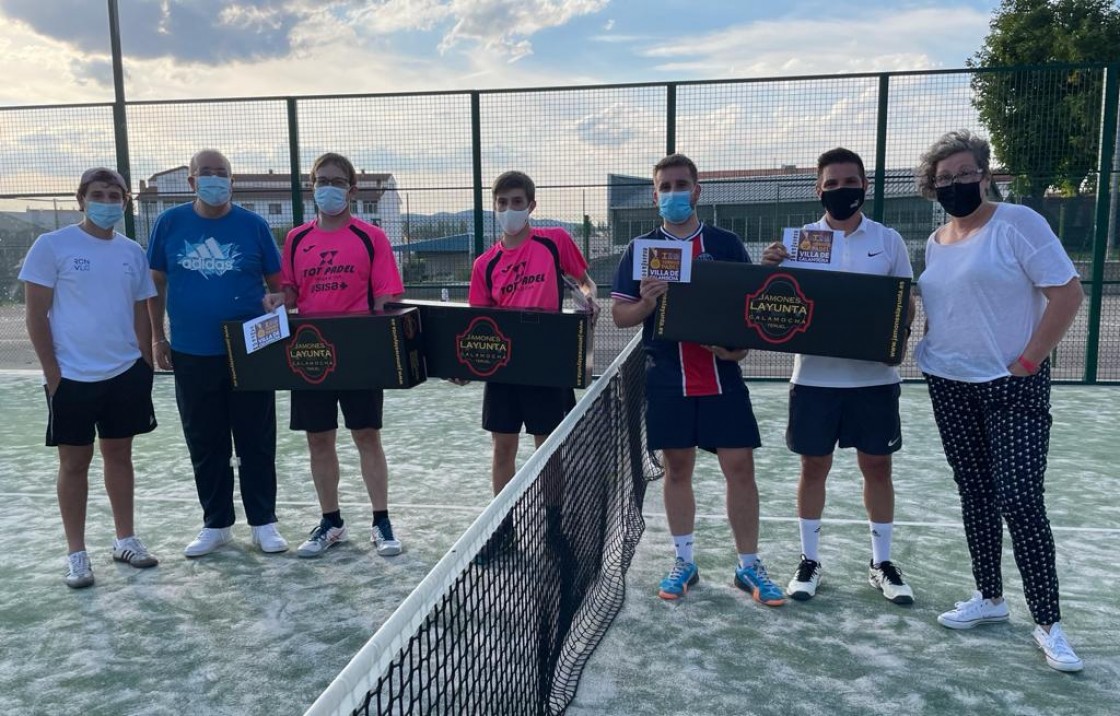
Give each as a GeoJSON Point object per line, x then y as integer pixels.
{"type": "Point", "coordinates": [710, 422]}
{"type": "Point", "coordinates": [505, 408]}
{"type": "Point", "coordinates": [316, 411]}
{"type": "Point", "coordinates": [119, 407]}
{"type": "Point", "coordinates": [864, 418]}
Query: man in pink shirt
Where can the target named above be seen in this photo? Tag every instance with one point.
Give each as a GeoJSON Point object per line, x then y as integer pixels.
{"type": "Point", "coordinates": [525, 269]}
{"type": "Point", "coordinates": [337, 263]}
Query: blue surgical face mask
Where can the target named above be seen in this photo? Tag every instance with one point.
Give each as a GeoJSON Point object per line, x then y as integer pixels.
{"type": "Point", "coordinates": [331, 200]}
{"type": "Point", "coordinates": [675, 206]}
{"type": "Point", "coordinates": [104, 215]}
{"type": "Point", "coordinates": [215, 191]}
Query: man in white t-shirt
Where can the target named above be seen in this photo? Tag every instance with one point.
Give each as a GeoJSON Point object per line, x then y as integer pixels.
{"type": "Point", "coordinates": [852, 403]}
{"type": "Point", "coordinates": [87, 288]}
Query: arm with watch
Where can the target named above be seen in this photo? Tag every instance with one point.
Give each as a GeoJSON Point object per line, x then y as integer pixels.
{"type": "Point", "coordinates": [1062, 303]}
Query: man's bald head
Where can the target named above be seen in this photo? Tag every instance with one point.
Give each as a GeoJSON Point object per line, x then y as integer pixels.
{"type": "Point", "coordinates": [209, 161]}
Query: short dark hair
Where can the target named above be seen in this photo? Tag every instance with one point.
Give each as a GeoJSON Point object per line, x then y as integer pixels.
{"type": "Point", "coordinates": [336, 160]}
{"type": "Point", "coordinates": [840, 155]}
{"type": "Point", "coordinates": [514, 180]}
{"type": "Point", "coordinates": [677, 160]}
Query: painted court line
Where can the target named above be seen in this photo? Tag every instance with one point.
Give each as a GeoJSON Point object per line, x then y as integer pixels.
{"type": "Point", "coordinates": [478, 508]}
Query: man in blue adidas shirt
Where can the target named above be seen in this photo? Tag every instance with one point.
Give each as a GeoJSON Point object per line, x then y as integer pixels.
{"type": "Point", "coordinates": [210, 262]}
{"type": "Point", "coordinates": [695, 395]}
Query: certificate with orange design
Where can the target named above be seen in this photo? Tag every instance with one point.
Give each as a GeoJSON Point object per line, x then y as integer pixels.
{"type": "Point", "coordinates": [814, 248]}
{"type": "Point", "coordinates": [666, 260]}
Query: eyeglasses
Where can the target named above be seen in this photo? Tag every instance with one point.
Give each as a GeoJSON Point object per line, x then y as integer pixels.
{"type": "Point", "coordinates": [967, 176]}
{"type": "Point", "coordinates": [212, 173]}
{"type": "Point", "coordinates": [338, 183]}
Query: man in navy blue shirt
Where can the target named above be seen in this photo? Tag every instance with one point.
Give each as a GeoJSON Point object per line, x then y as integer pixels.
{"type": "Point", "coordinates": [210, 262]}
{"type": "Point", "coordinates": [695, 395]}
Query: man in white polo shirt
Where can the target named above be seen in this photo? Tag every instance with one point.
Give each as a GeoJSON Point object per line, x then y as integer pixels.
{"type": "Point", "coordinates": [87, 289]}
{"type": "Point", "coordinates": [852, 403]}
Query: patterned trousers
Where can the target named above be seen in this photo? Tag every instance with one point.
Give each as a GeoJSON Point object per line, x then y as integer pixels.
{"type": "Point", "coordinates": [996, 436]}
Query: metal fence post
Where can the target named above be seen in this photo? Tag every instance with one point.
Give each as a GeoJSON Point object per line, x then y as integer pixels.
{"type": "Point", "coordinates": [670, 118]}
{"type": "Point", "coordinates": [879, 208]}
{"type": "Point", "coordinates": [120, 115]}
{"type": "Point", "coordinates": [476, 165]}
{"type": "Point", "coordinates": [293, 161]}
{"type": "Point", "coordinates": [1100, 227]}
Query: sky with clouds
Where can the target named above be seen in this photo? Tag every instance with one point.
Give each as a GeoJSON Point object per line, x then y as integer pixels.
{"type": "Point", "coordinates": [58, 50]}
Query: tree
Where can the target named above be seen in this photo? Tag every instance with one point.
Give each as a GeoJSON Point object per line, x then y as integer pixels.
{"type": "Point", "coordinates": [1045, 123]}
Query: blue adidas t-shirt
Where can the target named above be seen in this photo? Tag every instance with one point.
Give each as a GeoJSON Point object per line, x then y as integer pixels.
{"type": "Point", "coordinates": [215, 272]}
{"type": "Point", "coordinates": [676, 367]}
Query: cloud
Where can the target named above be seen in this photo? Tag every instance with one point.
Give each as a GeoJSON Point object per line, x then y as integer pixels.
{"type": "Point", "coordinates": [878, 41]}
{"type": "Point", "coordinates": [504, 26]}
{"type": "Point", "coordinates": [610, 126]}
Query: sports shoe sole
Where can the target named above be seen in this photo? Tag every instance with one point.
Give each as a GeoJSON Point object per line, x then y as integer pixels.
{"type": "Point", "coordinates": [144, 564]}
{"type": "Point", "coordinates": [1062, 666]}
{"type": "Point", "coordinates": [80, 583]}
{"type": "Point", "coordinates": [968, 625]}
{"type": "Point", "coordinates": [799, 595]}
{"type": "Point", "coordinates": [670, 597]}
{"type": "Point", "coordinates": [753, 591]}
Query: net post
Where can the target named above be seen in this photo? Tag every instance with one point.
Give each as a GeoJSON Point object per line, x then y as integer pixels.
{"type": "Point", "coordinates": [879, 208]}
{"type": "Point", "coordinates": [293, 161]}
{"type": "Point", "coordinates": [1101, 216]}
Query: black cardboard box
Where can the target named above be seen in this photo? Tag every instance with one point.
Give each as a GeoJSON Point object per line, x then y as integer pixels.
{"type": "Point", "coordinates": [345, 352]}
{"type": "Point", "coordinates": [506, 345]}
{"type": "Point", "coordinates": [829, 313]}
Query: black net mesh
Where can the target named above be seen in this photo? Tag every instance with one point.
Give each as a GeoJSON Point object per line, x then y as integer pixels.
{"type": "Point", "coordinates": [511, 632]}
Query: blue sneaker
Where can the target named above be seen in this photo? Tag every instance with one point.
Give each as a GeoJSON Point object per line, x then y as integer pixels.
{"type": "Point", "coordinates": [755, 581]}
{"type": "Point", "coordinates": [683, 575]}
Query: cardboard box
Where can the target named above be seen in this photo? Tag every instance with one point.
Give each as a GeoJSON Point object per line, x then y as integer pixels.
{"type": "Point", "coordinates": [829, 313]}
{"type": "Point", "coordinates": [505, 345]}
{"type": "Point", "coordinates": [379, 350]}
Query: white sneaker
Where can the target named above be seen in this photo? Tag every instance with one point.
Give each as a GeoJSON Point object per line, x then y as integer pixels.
{"type": "Point", "coordinates": [1059, 654]}
{"type": "Point", "coordinates": [976, 610]}
{"type": "Point", "coordinates": [131, 550]}
{"type": "Point", "coordinates": [887, 578]}
{"type": "Point", "coordinates": [804, 584]}
{"type": "Point", "coordinates": [80, 573]}
{"type": "Point", "coordinates": [208, 540]}
{"type": "Point", "coordinates": [268, 538]}
{"type": "Point", "coordinates": [322, 538]}
{"type": "Point", "coordinates": [381, 535]}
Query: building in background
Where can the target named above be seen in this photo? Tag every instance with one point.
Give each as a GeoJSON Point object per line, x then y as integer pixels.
{"type": "Point", "coordinates": [270, 195]}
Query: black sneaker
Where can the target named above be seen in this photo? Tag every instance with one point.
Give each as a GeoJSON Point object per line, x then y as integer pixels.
{"type": "Point", "coordinates": [887, 578]}
{"type": "Point", "coordinates": [804, 584]}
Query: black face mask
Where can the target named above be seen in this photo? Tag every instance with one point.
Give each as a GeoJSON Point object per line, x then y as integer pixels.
{"type": "Point", "coordinates": [842, 204]}
{"type": "Point", "coordinates": [960, 199]}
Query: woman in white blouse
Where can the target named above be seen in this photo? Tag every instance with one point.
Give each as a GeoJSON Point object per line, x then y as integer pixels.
{"type": "Point", "coordinates": [999, 292]}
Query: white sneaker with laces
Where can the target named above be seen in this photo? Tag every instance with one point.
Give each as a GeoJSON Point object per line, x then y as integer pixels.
{"type": "Point", "coordinates": [80, 573]}
{"type": "Point", "coordinates": [381, 535]}
{"type": "Point", "coordinates": [208, 540]}
{"type": "Point", "coordinates": [131, 550]}
{"type": "Point", "coordinates": [887, 578]}
{"type": "Point", "coordinates": [322, 538]}
{"type": "Point", "coordinates": [268, 538]}
{"type": "Point", "coordinates": [804, 584]}
{"type": "Point", "coordinates": [1059, 654]}
{"type": "Point", "coordinates": [976, 610]}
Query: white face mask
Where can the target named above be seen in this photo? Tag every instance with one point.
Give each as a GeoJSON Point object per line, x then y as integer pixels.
{"type": "Point", "coordinates": [512, 222]}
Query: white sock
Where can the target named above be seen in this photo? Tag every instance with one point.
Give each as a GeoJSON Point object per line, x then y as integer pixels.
{"type": "Point", "coordinates": [747, 559]}
{"type": "Point", "coordinates": [683, 545]}
{"type": "Point", "coordinates": [881, 541]}
{"type": "Point", "coordinates": [810, 538]}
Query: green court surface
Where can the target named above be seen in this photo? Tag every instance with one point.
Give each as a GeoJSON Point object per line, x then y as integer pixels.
{"type": "Point", "coordinates": [239, 632]}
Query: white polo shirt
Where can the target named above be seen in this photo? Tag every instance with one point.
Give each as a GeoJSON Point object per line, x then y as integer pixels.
{"type": "Point", "coordinates": [875, 249]}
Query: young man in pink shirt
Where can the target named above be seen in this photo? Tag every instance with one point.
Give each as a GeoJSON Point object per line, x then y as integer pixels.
{"type": "Point", "coordinates": [337, 263]}
{"type": "Point", "coordinates": [524, 269]}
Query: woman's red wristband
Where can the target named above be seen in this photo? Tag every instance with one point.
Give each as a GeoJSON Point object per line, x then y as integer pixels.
{"type": "Point", "coordinates": [1031, 368]}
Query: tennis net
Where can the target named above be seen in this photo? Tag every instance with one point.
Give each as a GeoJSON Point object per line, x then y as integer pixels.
{"type": "Point", "coordinates": [507, 619]}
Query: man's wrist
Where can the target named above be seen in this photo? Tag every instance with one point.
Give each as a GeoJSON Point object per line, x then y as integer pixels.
{"type": "Point", "coordinates": [160, 341]}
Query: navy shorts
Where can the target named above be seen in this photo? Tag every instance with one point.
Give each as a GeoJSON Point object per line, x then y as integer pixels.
{"type": "Point", "coordinates": [316, 411]}
{"type": "Point", "coordinates": [709, 422]}
{"type": "Point", "coordinates": [119, 407]}
{"type": "Point", "coordinates": [505, 408]}
{"type": "Point", "coordinates": [864, 418]}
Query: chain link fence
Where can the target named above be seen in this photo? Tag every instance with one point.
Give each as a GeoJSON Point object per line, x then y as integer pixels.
{"type": "Point", "coordinates": [426, 161]}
